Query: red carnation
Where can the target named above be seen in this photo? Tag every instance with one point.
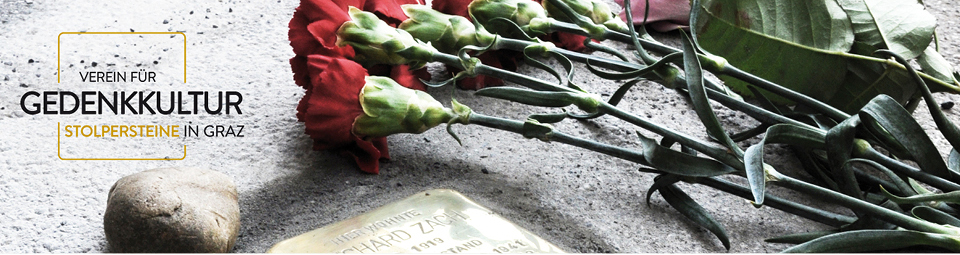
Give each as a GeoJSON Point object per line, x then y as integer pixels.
{"type": "Point", "coordinates": [333, 82]}
{"type": "Point", "coordinates": [330, 107]}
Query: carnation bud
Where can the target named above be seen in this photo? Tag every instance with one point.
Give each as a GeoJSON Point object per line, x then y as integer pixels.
{"type": "Point", "coordinates": [375, 42]}
{"type": "Point", "coordinates": [522, 12]}
{"type": "Point", "coordinates": [449, 33]}
{"type": "Point", "coordinates": [389, 108]}
{"type": "Point", "coordinates": [594, 10]}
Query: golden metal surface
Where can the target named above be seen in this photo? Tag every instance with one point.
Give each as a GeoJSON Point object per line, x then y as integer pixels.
{"type": "Point", "coordinates": [434, 221]}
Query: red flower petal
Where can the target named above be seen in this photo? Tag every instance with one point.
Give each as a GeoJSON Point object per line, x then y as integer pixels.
{"type": "Point", "coordinates": [402, 75]}
{"type": "Point", "coordinates": [568, 41]}
{"type": "Point", "coordinates": [389, 10]}
{"type": "Point", "coordinates": [453, 7]}
{"type": "Point", "coordinates": [331, 105]}
{"type": "Point", "coordinates": [367, 154]}
{"type": "Point", "coordinates": [314, 25]}
{"type": "Point", "coordinates": [410, 79]}
{"type": "Point", "coordinates": [300, 76]}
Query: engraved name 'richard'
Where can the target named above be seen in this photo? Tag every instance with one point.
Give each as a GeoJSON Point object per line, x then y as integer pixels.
{"type": "Point", "coordinates": [373, 227]}
{"type": "Point", "coordinates": [416, 230]}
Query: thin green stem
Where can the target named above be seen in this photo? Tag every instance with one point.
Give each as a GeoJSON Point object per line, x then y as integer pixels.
{"type": "Point", "coordinates": [556, 136]}
{"type": "Point", "coordinates": [713, 150]}
{"type": "Point", "coordinates": [861, 206]}
{"type": "Point", "coordinates": [801, 210]}
{"type": "Point", "coordinates": [814, 214]}
{"type": "Point", "coordinates": [904, 169]}
{"type": "Point", "coordinates": [707, 148]}
{"type": "Point", "coordinates": [762, 115]}
{"type": "Point", "coordinates": [663, 49]}
{"type": "Point", "coordinates": [827, 110]}
{"type": "Point", "coordinates": [752, 110]}
{"type": "Point", "coordinates": [953, 88]}
{"type": "Point", "coordinates": [718, 152]}
{"type": "Point", "coordinates": [519, 45]}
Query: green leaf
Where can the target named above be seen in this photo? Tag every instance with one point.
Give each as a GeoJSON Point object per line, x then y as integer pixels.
{"type": "Point", "coordinates": [901, 26]}
{"type": "Point", "coordinates": [750, 133]}
{"type": "Point", "coordinates": [917, 188]}
{"type": "Point", "coordinates": [549, 117]}
{"type": "Point", "coordinates": [874, 240]}
{"type": "Point", "coordinates": [947, 128]}
{"type": "Point", "coordinates": [949, 197]}
{"type": "Point", "coordinates": [823, 122]}
{"type": "Point", "coordinates": [894, 178]}
{"type": "Point", "coordinates": [932, 63]}
{"type": "Point", "coordinates": [756, 172]}
{"type": "Point", "coordinates": [533, 129]}
{"type": "Point", "coordinates": [867, 79]}
{"type": "Point", "coordinates": [698, 96]}
{"type": "Point", "coordinates": [532, 50]}
{"type": "Point", "coordinates": [815, 166]}
{"type": "Point", "coordinates": [815, 24]}
{"type": "Point", "coordinates": [635, 73]}
{"type": "Point", "coordinates": [796, 44]}
{"type": "Point", "coordinates": [905, 130]}
{"type": "Point", "coordinates": [953, 162]}
{"type": "Point", "coordinates": [936, 216]}
{"type": "Point", "coordinates": [693, 211]}
{"type": "Point", "coordinates": [679, 163]}
{"type": "Point", "coordinates": [584, 101]}
{"type": "Point", "coordinates": [780, 133]}
{"type": "Point", "coordinates": [661, 181]}
{"type": "Point", "coordinates": [764, 101]}
{"type": "Point", "coordinates": [840, 144]}
{"type": "Point", "coordinates": [530, 97]}
{"type": "Point", "coordinates": [622, 91]}
{"type": "Point", "coordinates": [795, 135]}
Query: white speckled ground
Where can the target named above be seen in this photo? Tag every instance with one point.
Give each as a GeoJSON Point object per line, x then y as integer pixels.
{"type": "Point", "coordinates": [579, 200]}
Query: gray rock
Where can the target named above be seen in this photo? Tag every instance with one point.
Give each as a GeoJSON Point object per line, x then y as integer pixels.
{"type": "Point", "coordinates": [183, 210]}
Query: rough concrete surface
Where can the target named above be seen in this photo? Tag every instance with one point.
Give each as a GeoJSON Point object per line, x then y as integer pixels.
{"type": "Point", "coordinates": [580, 200]}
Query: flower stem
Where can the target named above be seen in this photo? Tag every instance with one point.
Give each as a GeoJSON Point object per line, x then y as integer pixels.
{"type": "Point", "coordinates": [827, 110]}
{"type": "Point", "coordinates": [814, 214]}
{"type": "Point", "coordinates": [726, 69]}
{"type": "Point", "coordinates": [517, 127]}
{"type": "Point", "coordinates": [868, 152]}
{"type": "Point", "coordinates": [726, 100]}
{"type": "Point", "coordinates": [519, 45]}
{"type": "Point", "coordinates": [801, 210]}
{"type": "Point", "coordinates": [710, 149]}
{"type": "Point", "coordinates": [860, 206]}
{"type": "Point", "coordinates": [713, 150]}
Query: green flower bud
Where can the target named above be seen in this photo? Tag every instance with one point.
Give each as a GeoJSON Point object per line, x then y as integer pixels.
{"type": "Point", "coordinates": [449, 33]}
{"type": "Point", "coordinates": [588, 102]}
{"type": "Point", "coordinates": [375, 42]}
{"type": "Point", "coordinates": [539, 26]}
{"type": "Point", "coordinates": [389, 108]}
{"type": "Point", "coordinates": [596, 11]}
{"type": "Point", "coordinates": [521, 12]}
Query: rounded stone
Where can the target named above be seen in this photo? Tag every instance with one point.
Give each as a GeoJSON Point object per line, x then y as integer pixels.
{"type": "Point", "coordinates": [183, 210]}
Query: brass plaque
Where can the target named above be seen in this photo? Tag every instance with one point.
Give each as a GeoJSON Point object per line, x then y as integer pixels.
{"type": "Point", "coordinates": [434, 221]}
